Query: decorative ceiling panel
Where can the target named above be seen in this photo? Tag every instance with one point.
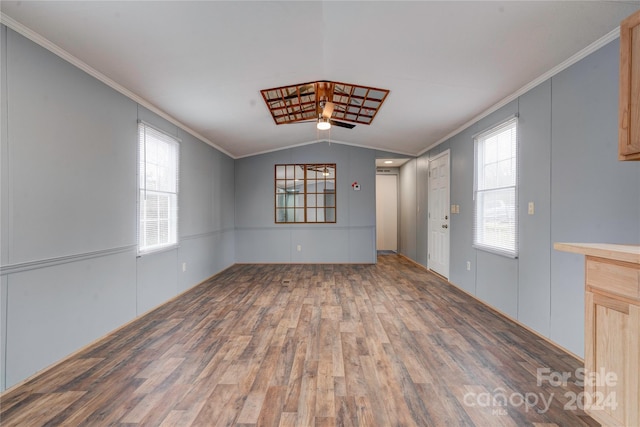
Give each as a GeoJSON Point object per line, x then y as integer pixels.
{"type": "Point", "coordinates": [306, 102]}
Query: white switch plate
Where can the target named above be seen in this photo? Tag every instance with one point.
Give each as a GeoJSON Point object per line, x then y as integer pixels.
{"type": "Point", "coordinates": [468, 265]}
{"type": "Point", "coordinates": [184, 267]}
{"type": "Point", "coordinates": [299, 248]}
{"type": "Point", "coordinates": [531, 209]}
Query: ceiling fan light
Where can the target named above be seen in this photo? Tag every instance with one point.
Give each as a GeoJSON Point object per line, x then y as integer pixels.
{"type": "Point", "coordinates": [323, 124]}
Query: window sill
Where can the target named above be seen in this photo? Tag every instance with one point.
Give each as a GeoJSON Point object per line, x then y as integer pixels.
{"type": "Point", "coordinates": [158, 250]}
{"type": "Point", "coordinates": [495, 251]}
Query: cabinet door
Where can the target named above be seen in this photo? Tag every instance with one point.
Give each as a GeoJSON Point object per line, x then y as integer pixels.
{"type": "Point", "coordinates": [612, 347]}
{"type": "Point", "coordinates": [629, 108]}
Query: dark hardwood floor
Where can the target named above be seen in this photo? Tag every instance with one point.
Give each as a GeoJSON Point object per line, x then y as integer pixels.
{"type": "Point", "coordinates": [309, 345]}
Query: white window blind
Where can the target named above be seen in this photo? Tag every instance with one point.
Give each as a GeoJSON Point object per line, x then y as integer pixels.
{"type": "Point", "coordinates": [495, 225]}
{"type": "Point", "coordinates": [158, 189]}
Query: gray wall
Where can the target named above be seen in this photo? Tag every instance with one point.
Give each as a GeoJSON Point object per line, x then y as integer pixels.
{"type": "Point", "coordinates": [351, 239]}
{"type": "Point", "coordinates": [408, 209]}
{"type": "Point", "coordinates": [568, 168]}
{"type": "Point", "coordinates": [4, 194]}
{"type": "Point", "coordinates": [594, 197]}
{"type": "Point", "coordinates": [70, 273]}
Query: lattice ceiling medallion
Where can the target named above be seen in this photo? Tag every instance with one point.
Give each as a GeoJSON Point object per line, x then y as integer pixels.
{"type": "Point", "coordinates": [340, 104]}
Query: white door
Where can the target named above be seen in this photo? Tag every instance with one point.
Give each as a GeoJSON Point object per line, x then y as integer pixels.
{"type": "Point", "coordinates": [387, 212]}
{"type": "Point", "coordinates": [439, 215]}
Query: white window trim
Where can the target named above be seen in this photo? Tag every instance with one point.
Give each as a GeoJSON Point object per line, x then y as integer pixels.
{"type": "Point", "coordinates": [141, 188]}
{"type": "Point", "coordinates": [476, 140]}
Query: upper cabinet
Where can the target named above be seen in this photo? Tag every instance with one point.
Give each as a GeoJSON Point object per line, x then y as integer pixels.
{"type": "Point", "coordinates": [629, 109]}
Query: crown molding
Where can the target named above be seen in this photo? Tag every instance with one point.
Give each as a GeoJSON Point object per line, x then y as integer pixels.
{"type": "Point", "coordinates": [604, 40]}
{"type": "Point", "coordinates": [57, 50]}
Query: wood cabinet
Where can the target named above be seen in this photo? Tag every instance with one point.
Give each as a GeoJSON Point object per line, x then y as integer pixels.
{"type": "Point", "coordinates": [612, 332]}
{"type": "Point", "coordinates": [612, 345]}
{"type": "Point", "coordinates": [629, 107]}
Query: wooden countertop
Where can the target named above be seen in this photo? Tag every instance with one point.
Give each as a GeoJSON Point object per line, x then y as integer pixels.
{"type": "Point", "coordinates": [627, 253]}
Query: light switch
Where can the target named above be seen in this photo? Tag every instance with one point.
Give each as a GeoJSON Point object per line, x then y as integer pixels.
{"type": "Point", "coordinates": [531, 208]}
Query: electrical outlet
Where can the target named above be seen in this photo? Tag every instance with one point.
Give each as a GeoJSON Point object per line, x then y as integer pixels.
{"type": "Point", "coordinates": [468, 265]}
{"type": "Point", "coordinates": [299, 248]}
{"type": "Point", "coordinates": [531, 208]}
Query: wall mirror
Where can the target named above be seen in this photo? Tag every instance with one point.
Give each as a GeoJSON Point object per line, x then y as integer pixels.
{"type": "Point", "coordinates": [305, 193]}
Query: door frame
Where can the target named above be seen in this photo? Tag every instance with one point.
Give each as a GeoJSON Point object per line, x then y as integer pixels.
{"type": "Point", "coordinates": [448, 209]}
{"type": "Point", "coordinates": [395, 174]}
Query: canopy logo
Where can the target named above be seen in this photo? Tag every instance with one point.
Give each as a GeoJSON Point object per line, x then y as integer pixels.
{"type": "Point", "coordinates": [499, 400]}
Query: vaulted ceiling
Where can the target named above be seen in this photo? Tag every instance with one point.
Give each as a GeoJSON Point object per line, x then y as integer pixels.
{"type": "Point", "coordinates": [204, 63]}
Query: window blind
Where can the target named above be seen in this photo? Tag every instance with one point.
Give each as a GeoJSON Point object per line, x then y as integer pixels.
{"type": "Point", "coordinates": [158, 189]}
{"type": "Point", "coordinates": [495, 224]}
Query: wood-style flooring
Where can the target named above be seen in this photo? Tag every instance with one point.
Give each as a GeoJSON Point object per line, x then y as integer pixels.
{"type": "Point", "coordinates": [309, 345]}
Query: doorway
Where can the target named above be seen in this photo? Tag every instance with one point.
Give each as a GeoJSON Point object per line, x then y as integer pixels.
{"type": "Point", "coordinates": [387, 212]}
{"type": "Point", "coordinates": [439, 216]}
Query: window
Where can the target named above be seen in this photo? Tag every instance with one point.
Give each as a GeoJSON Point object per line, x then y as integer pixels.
{"type": "Point", "coordinates": [495, 193]}
{"type": "Point", "coordinates": [305, 193]}
{"type": "Point", "coordinates": [158, 189]}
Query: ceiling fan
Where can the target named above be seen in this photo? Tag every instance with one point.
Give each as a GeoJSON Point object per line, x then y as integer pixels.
{"type": "Point", "coordinates": [324, 102]}
{"type": "Point", "coordinates": [324, 93]}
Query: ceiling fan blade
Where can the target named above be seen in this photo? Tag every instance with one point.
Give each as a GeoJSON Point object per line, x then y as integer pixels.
{"type": "Point", "coordinates": [342, 124]}
{"type": "Point", "coordinates": [327, 111]}
{"type": "Point", "coordinates": [303, 121]}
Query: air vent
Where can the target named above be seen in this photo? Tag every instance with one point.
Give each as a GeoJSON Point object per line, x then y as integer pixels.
{"type": "Point", "coordinates": [384, 170]}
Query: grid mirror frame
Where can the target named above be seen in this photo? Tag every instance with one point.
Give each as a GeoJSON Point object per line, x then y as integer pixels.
{"type": "Point", "coordinates": [305, 193]}
{"type": "Point", "coordinates": [301, 102]}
